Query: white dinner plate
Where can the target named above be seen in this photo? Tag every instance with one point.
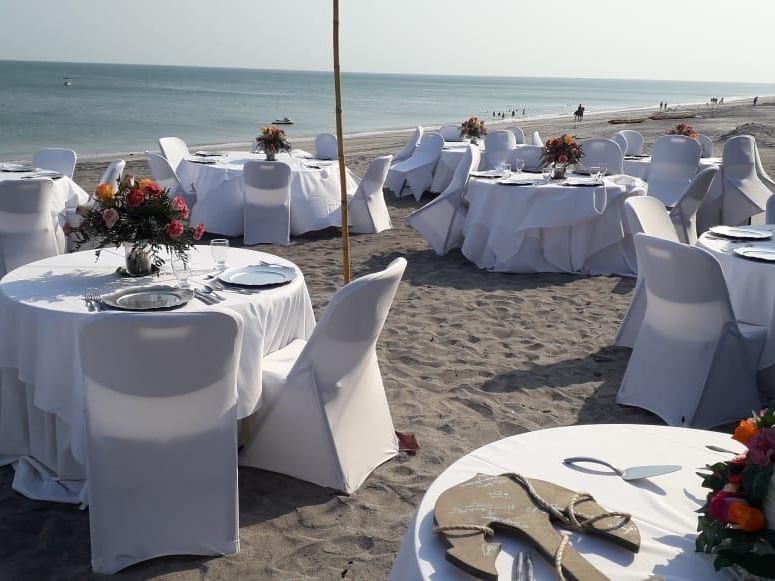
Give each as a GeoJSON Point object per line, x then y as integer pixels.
{"type": "Point", "coordinates": [490, 173]}
{"type": "Point", "coordinates": [762, 252]}
{"type": "Point", "coordinates": [517, 182]}
{"type": "Point", "coordinates": [16, 167]}
{"type": "Point", "coordinates": [148, 298]}
{"type": "Point", "coordinates": [740, 233]}
{"type": "Point", "coordinates": [582, 182]}
{"type": "Point", "coordinates": [258, 275]}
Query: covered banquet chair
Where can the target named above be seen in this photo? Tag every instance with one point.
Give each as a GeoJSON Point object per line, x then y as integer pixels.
{"type": "Point", "coordinates": [674, 163]}
{"type": "Point", "coordinates": [634, 141]}
{"type": "Point", "coordinates": [166, 177]}
{"type": "Point", "coordinates": [326, 146]}
{"type": "Point", "coordinates": [498, 146]}
{"type": "Point", "coordinates": [692, 364]}
{"type": "Point", "coordinates": [532, 155]}
{"type": "Point", "coordinates": [161, 437]}
{"type": "Point", "coordinates": [450, 132]}
{"type": "Point", "coordinates": [267, 217]}
{"type": "Point", "coordinates": [519, 135]}
{"type": "Point", "coordinates": [417, 171]}
{"type": "Point", "coordinates": [599, 151]}
{"type": "Point", "coordinates": [440, 221]}
{"type": "Point", "coordinates": [744, 191]}
{"type": "Point", "coordinates": [174, 149]}
{"type": "Point", "coordinates": [55, 159]}
{"type": "Point", "coordinates": [368, 212]}
{"type": "Point", "coordinates": [684, 213]}
{"type": "Point", "coordinates": [537, 139]}
{"type": "Point", "coordinates": [113, 173]}
{"type": "Point", "coordinates": [411, 144]}
{"type": "Point", "coordinates": [324, 417]}
{"type": "Point", "coordinates": [706, 144]}
{"type": "Point", "coordinates": [621, 141]}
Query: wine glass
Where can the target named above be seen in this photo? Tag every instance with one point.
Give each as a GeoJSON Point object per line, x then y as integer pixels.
{"type": "Point", "coordinates": [505, 169]}
{"type": "Point", "coordinates": [519, 165]}
{"type": "Point", "coordinates": [603, 169]}
{"type": "Point", "coordinates": [546, 172]}
{"type": "Point", "coordinates": [594, 172]}
{"type": "Point", "coordinates": [181, 268]}
{"type": "Point", "coordinates": [219, 248]}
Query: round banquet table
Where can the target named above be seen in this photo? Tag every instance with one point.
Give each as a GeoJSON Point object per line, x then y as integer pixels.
{"type": "Point", "coordinates": [548, 227]}
{"type": "Point", "coordinates": [41, 386]}
{"type": "Point", "coordinates": [450, 157]}
{"type": "Point", "coordinates": [315, 191]}
{"type": "Point", "coordinates": [662, 507]}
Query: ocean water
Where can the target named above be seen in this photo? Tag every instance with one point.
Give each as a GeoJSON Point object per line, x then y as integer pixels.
{"type": "Point", "coordinates": [120, 108]}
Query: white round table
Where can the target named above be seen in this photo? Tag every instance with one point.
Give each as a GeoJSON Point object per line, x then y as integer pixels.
{"type": "Point", "coordinates": [41, 312]}
{"type": "Point", "coordinates": [548, 227]}
{"type": "Point", "coordinates": [315, 191]}
{"type": "Point", "coordinates": [662, 507]}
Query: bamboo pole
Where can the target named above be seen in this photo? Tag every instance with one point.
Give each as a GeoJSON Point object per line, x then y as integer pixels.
{"type": "Point", "coordinates": [340, 145]}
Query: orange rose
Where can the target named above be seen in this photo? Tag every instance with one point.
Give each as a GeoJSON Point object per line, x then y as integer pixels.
{"type": "Point", "coordinates": [745, 430]}
{"type": "Point", "coordinates": [105, 192]}
{"type": "Point", "coordinates": [144, 183]}
{"type": "Point", "coordinates": [568, 139]}
{"type": "Point", "coordinates": [746, 517]}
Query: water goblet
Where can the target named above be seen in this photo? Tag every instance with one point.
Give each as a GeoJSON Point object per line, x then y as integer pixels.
{"type": "Point", "coordinates": [546, 172]}
{"type": "Point", "coordinates": [603, 169]}
{"type": "Point", "coordinates": [594, 172]}
{"type": "Point", "coordinates": [505, 169]}
{"type": "Point", "coordinates": [181, 268]}
{"type": "Point", "coordinates": [219, 248]}
{"type": "Point", "coordinates": [519, 165]}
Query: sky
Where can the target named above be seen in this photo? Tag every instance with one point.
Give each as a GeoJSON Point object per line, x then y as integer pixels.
{"type": "Point", "coordinates": [718, 40]}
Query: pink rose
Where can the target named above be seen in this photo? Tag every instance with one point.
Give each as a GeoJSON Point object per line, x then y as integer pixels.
{"type": "Point", "coordinates": [199, 231]}
{"type": "Point", "coordinates": [175, 229]}
{"type": "Point", "coordinates": [761, 447]}
{"type": "Point", "coordinates": [563, 159]}
{"type": "Point", "coordinates": [135, 198]}
{"type": "Point", "coordinates": [110, 217]}
{"type": "Point", "coordinates": [179, 204]}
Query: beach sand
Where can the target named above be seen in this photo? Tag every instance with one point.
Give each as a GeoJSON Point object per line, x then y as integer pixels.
{"type": "Point", "coordinates": [467, 356]}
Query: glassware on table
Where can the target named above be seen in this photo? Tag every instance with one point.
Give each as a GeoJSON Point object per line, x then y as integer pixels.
{"type": "Point", "coordinates": [519, 165]}
{"type": "Point", "coordinates": [182, 270]}
{"type": "Point", "coordinates": [594, 172]}
{"type": "Point", "coordinates": [505, 169]}
{"type": "Point", "coordinates": [219, 248]}
{"type": "Point", "coordinates": [546, 172]}
{"type": "Point", "coordinates": [603, 169]}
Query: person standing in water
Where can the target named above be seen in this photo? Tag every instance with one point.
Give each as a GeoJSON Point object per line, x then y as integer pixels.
{"type": "Point", "coordinates": [755, 101]}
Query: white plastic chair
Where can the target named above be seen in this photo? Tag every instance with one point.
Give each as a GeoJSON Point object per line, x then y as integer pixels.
{"type": "Point", "coordinates": [174, 149]}
{"type": "Point", "coordinates": [692, 364]}
{"type": "Point", "coordinates": [324, 417]}
{"type": "Point", "coordinates": [113, 173]}
{"type": "Point", "coordinates": [498, 147]}
{"type": "Point", "coordinates": [621, 141]}
{"type": "Point", "coordinates": [684, 213]}
{"type": "Point", "coordinates": [706, 144]}
{"type": "Point", "coordinates": [326, 146]}
{"type": "Point", "coordinates": [58, 160]}
{"type": "Point", "coordinates": [411, 145]}
{"type": "Point", "coordinates": [744, 195]}
{"type": "Point", "coordinates": [161, 437]}
{"type": "Point", "coordinates": [674, 163]}
{"type": "Point", "coordinates": [267, 202]}
{"type": "Point", "coordinates": [532, 155]}
{"type": "Point", "coordinates": [440, 221]}
{"type": "Point", "coordinates": [165, 176]}
{"type": "Point", "coordinates": [450, 132]}
{"type": "Point", "coordinates": [368, 212]}
{"type": "Point", "coordinates": [417, 171]}
{"type": "Point", "coordinates": [28, 230]}
{"type": "Point", "coordinates": [519, 135]}
{"type": "Point", "coordinates": [634, 141]}
{"type": "Point", "coordinates": [598, 151]}
{"type": "Point", "coordinates": [537, 139]}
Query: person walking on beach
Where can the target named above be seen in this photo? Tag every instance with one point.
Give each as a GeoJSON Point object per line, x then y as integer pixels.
{"type": "Point", "coordinates": [755, 101]}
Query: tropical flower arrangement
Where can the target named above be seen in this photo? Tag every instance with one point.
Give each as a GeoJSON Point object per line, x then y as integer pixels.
{"type": "Point", "coordinates": [140, 213]}
{"type": "Point", "coordinates": [737, 523]}
{"type": "Point", "coordinates": [562, 150]}
{"type": "Point", "coordinates": [271, 141]}
{"type": "Point", "coordinates": [473, 128]}
{"type": "Point", "coordinates": [684, 129]}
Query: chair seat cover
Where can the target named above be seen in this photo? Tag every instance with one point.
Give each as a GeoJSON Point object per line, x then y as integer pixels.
{"type": "Point", "coordinates": [417, 171]}
{"type": "Point", "coordinates": [745, 193]}
{"type": "Point", "coordinates": [368, 211]}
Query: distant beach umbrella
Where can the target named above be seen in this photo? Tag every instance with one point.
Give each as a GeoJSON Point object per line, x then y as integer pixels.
{"type": "Point", "coordinates": [340, 144]}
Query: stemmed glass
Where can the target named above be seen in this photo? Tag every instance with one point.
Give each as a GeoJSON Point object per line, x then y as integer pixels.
{"type": "Point", "coordinates": [181, 268]}
{"type": "Point", "coordinates": [603, 170]}
{"type": "Point", "coordinates": [219, 248]}
{"type": "Point", "coordinates": [505, 169]}
{"type": "Point", "coordinates": [594, 172]}
{"type": "Point", "coordinates": [519, 165]}
{"type": "Point", "coordinates": [546, 172]}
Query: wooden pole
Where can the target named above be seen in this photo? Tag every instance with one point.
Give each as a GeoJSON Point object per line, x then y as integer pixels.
{"type": "Point", "coordinates": [340, 145]}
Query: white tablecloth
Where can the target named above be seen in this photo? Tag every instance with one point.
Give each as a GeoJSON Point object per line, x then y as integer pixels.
{"type": "Point", "coordinates": [662, 507]}
{"type": "Point", "coordinates": [67, 194]}
{"type": "Point", "coordinates": [41, 311]}
{"type": "Point", "coordinates": [448, 162]}
{"type": "Point", "coordinates": [315, 193]}
{"type": "Point", "coordinates": [548, 227]}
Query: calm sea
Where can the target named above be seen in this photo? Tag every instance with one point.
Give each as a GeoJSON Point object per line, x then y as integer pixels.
{"type": "Point", "coordinates": [119, 108]}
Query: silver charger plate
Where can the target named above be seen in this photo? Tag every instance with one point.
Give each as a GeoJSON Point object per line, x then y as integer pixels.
{"type": "Point", "coordinates": [17, 167]}
{"type": "Point", "coordinates": [490, 173]}
{"type": "Point", "coordinates": [148, 298]}
{"type": "Point", "coordinates": [258, 275]}
{"type": "Point", "coordinates": [740, 233]}
{"type": "Point", "coordinates": [517, 182]}
{"type": "Point", "coordinates": [758, 252]}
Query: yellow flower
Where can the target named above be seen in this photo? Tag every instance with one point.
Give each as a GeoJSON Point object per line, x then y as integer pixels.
{"type": "Point", "coordinates": [568, 139]}
{"type": "Point", "coordinates": [105, 192]}
{"type": "Point", "coordinates": [145, 182]}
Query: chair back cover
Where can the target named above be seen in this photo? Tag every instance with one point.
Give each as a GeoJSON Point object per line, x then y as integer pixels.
{"type": "Point", "coordinates": [599, 150]}
{"type": "Point", "coordinates": [55, 159]}
{"type": "Point", "coordinates": [28, 228]}
{"type": "Point", "coordinates": [113, 173]}
{"type": "Point", "coordinates": [689, 364]}
{"type": "Point", "coordinates": [411, 144]}
{"type": "Point", "coordinates": [706, 143]}
{"type": "Point", "coordinates": [161, 435]}
{"type": "Point", "coordinates": [519, 135]}
{"type": "Point", "coordinates": [647, 215]}
{"type": "Point", "coordinates": [163, 174]}
{"type": "Point", "coordinates": [498, 146]}
{"type": "Point", "coordinates": [674, 163]}
{"type": "Point", "coordinates": [174, 149]}
{"type": "Point", "coordinates": [537, 139]}
{"type": "Point", "coordinates": [532, 155]}
{"type": "Point", "coordinates": [684, 213]}
{"type": "Point", "coordinates": [450, 132]}
{"type": "Point", "coordinates": [744, 193]}
{"type": "Point", "coordinates": [634, 141]}
{"type": "Point", "coordinates": [621, 141]}
{"type": "Point", "coordinates": [267, 202]}
{"type": "Point", "coordinates": [368, 212]}
{"type": "Point", "coordinates": [417, 171]}
{"type": "Point", "coordinates": [326, 146]}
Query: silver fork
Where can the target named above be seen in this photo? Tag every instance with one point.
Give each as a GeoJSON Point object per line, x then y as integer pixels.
{"type": "Point", "coordinates": [86, 296]}
{"type": "Point", "coordinates": [523, 570]}
{"type": "Point", "coordinates": [95, 298]}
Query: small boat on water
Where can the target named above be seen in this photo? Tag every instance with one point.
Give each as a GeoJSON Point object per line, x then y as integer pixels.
{"type": "Point", "coordinates": [283, 121]}
{"type": "Point", "coordinates": [68, 82]}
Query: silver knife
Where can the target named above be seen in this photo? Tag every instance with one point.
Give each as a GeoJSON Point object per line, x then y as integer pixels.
{"type": "Point", "coordinates": [633, 473]}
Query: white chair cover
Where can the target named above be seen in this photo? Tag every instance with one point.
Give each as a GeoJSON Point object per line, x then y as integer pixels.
{"type": "Point", "coordinates": [498, 146]}
{"type": "Point", "coordinates": [537, 139]}
{"type": "Point", "coordinates": [368, 212]}
{"type": "Point", "coordinates": [267, 202]}
{"type": "Point", "coordinates": [744, 195]}
{"type": "Point", "coordinates": [165, 176]}
{"type": "Point", "coordinates": [771, 210]}
{"type": "Point", "coordinates": [674, 163]}
{"type": "Point", "coordinates": [174, 149]}
{"type": "Point", "coordinates": [417, 171]}
{"type": "Point", "coordinates": [634, 141]}
{"type": "Point", "coordinates": [692, 364]}
{"type": "Point", "coordinates": [684, 213]}
{"type": "Point", "coordinates": [161, 436]}
{"type": "Point", "coordinates": [706, 143]}
{"type": "Point", "coordinates": [325, 418]}
{"type": "Point", "coordinates": [58, 160]}
{"type": "Point", "coordinates": [532, 155]}
{"type": "Point", "coordinates": [28, 230]}
{"type": "Point", "coordinates": [411, 145]}
{"type": "Point", "coordinates": [326, 146]}
{"type": "Point", "coordinates": [450, 132]}
{"type": "Point", "coordinates": [761, 172]}
{"type": "Point", "coordinates": [113, 173]}
{"type": "Point", "coordinates": [519, 135]}
{"type": "Point", "coordinates": [440, 221]}
{"type": "Point", "coordinates": [621, 141]}
{"type": "Point", "coordinates": [599, 150]}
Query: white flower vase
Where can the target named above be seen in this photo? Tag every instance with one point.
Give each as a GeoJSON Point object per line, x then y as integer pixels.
{"type": "Point", "coordinates": [138, 258]}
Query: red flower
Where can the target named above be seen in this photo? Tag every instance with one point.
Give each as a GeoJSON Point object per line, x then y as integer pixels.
{"type": "Point", "coordinates": [135, 198]}
{"type": "Point", "coordinates": [199, 231]}
{"type": "Point", "coordinates": [67, 229]}
{"type": "Point", "coordinates": [175, 229]}
{"type": "Point", "coordinates": [179, 204]}
{"type": "Point", "coordinates": [563, 159]}
{"type": "Point", "coordinates": [153, 189]}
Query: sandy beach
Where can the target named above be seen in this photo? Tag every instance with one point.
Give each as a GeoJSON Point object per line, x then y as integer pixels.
{"type": "Point", "coordinates": [467, 356]}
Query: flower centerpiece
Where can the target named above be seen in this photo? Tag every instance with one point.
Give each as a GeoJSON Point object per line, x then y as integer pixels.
{"type": "Point", "coordinates": [684, 129]}
{"type": "Point", "coordinates": [737, 522]}
{"type": "Point", "coordinates": [562, 151]}
{"type": "Point", "coordinates": [271, 141]}
{"type": "Point", "coordinates": [143, 217]}
{"type": "Point", "coordinates": [473, 129]}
